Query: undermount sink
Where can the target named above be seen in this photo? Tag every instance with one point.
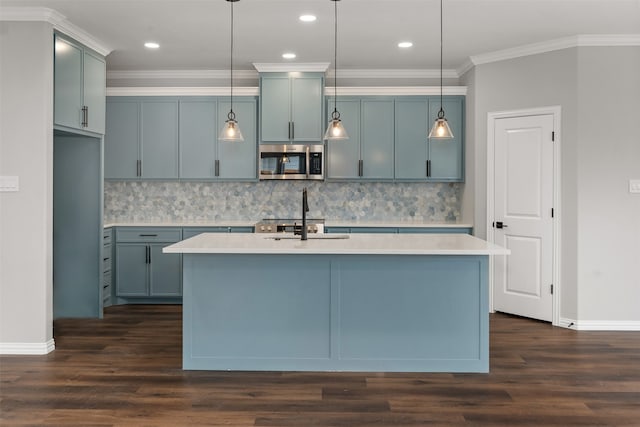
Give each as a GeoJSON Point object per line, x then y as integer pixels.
{"type": "Point", "coordinates": [310, 237]}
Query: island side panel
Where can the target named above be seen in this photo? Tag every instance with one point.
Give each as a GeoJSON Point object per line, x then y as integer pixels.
{"type": "Point", "coordinates": [336, 312]}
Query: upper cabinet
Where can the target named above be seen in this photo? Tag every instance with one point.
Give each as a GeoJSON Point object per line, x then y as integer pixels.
{"type": "Point", "coordinates": [141, 139]}
{"type": "Point", "coordinates": [368, 153]}
{"type": "Point", "coordinates": [202, 155]}
{"type": "Point", "coordinates": [177, 138]}
{"type": "Point", "coordinates": [388, 140]}
{"type": "Point", "coordinates": [291, 107]}
{"type": "Point", "coordinates": [418, 158]}
{"type": "Point", "coordinates": [79, 87]}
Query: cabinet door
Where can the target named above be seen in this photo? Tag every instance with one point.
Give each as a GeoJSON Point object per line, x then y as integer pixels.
{"type": "Point", "coordinates": [165, 272]}
{"type": "Point", "coordinates": [275, 100]}
{"type": "Point", "coordinates": [377, 139]}
{"type": "Point", "coordinates": [411, 147]}
{"type": "Point", "coordinates": [198, 132]}
{"type": "Point", "coordinates": [67, 84]}
{"type": "Point", "coordinates": [159, 140]}
{"type": "Point", "coordinates": [447, 155]}
{"type": "Point", "coordinates": [237, 160]}
{"type": "Point", "coordinates": [131, 270]}
{"type": "Point", "coordinates": [94, 88]}
{"type": "Point", "coordinates": [306, 108]}
{"type": "Point", "coordinates": [121, 140]}
{"type": "Point", "coordinates": [343, 156]}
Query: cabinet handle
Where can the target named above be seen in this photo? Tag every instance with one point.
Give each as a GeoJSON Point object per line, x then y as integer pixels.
{"type": "Point", "coordinates": [428, 168]}
{"type": "Point", "coordinates": [146, 254]}
{"type": "Point", "coordinates": [290, 130]}
{"type": "Point", "coordinates": [217, 168]}
{"type": "Point", "coordinates": [293, 130]}
{"type": "Point", "coordinates": [360, 167]}
{"type": "Point", "coordinates": [149, 247]}
{"type": "Point", "coordinates": [85, 116]}
{"type": "Point", "coordinates": [138, 167]}
{"type": "Point", "coordinates": [148, 235]}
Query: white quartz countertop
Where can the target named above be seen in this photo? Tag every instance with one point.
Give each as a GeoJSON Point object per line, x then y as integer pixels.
{"type": "Point", "coordinates": [328, 223]}
{"type": "Point", "coordinates": [202, 224]}
{"type": "Point", "coordinates": [337, 244]}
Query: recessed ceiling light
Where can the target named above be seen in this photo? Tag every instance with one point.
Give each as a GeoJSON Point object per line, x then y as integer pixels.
{"type": "Point", "coordinates": [307, 18]}
{"type": "Point", "coordinates": [289, 55]}
{"type": "Point", "coordinates": [151, 45]}
{"type": "Point", "coordinates": [405, 45]}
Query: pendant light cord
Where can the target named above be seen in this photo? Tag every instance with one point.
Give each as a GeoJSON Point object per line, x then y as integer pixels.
{"type": "Point", "coordinates": [231, 113]}
{"type": "Point", "coordinates": [441, 112]}
{"type": "Point", "coordinates": [335, 114]}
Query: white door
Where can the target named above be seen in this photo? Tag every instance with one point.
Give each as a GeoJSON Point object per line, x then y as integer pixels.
{"type": "Point", "coordinates": [523, 218]}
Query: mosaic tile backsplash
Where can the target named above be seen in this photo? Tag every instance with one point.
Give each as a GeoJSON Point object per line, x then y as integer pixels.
{"type": "Point", "coordinates": [154, 201]}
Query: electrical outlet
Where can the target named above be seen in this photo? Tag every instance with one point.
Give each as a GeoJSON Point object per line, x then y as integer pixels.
{"type": "Point", "coordinates": [634, 186]}
{"type": "Point", "coordinates": [8, 183]}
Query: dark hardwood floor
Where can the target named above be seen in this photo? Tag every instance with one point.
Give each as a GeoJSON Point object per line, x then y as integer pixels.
{"type": "Point", "coordinates": [125, 370]}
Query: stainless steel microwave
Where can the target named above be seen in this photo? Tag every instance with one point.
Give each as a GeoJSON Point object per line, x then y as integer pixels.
{"type": "Point", "coordinates": [291, 161]}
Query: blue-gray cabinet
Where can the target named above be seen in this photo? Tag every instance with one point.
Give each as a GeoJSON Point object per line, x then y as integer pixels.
{"type": "Point", "coordinates": [446, 156]}
{"type": "Point", "coordinates": [159, 139]}
{"type": "Point", "coordinates": [202, 155]}
{"type": "Point", "coordinates": [291, 107]}
{"type": "Point", "coordinates": [141, 138]}
{"type": "Point", "coordinates": [368, 153]}
{"type": "Point", "coordinates": [394, 230]}
{"type": "Point", "coordinates": [419, 158]}
{"type": "Point", "coordinates": [142, 270]}
{"type": "Point", "coordinates": [107, 266]}
{"type": "Point", "coordinates": [79, 86]}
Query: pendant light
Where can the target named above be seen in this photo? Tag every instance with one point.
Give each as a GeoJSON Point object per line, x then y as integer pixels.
{"type": "Point", "coordinates": [335, 130]}
{"type": "Point", "coordinates": [441, 129]}
{"type": "Point", "coordinates": [231, 130]}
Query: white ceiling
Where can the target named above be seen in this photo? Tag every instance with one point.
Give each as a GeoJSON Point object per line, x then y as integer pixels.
{"type": "Point", "coordinates": [194, 34]}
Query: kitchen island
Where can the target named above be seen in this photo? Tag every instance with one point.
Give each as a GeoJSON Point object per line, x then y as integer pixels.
{"type": "Point", "coordinates": [361, 302]}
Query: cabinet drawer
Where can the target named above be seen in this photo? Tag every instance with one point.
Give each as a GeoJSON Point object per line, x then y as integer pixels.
{"type": "Point", "coordinates": [149, 235]}
{"type": "Point", "coordinates": [106, 285]}
{"type": "Point", "coordinates": [106, 258]}
{"type": "Point", "coordinates": [107, 236]}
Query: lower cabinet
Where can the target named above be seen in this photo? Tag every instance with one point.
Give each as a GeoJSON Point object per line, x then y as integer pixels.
{"type": "Point", "coordinates": [142, 270]}
{"type": "Point", "coordinates": [107, 263]}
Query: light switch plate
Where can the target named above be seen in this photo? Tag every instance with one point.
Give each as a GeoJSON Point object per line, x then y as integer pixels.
{"type": "Point", "coordinates": [9, 183]}
{"type": "Point", "coordinates": [634, 186]}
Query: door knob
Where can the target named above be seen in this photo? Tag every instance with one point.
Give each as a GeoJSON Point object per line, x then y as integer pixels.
{"type": "Point", "coordinates": [499, 224]}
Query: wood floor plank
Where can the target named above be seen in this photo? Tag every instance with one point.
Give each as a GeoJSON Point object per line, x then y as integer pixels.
{"type": "Point", "coordinates": [125, 370]}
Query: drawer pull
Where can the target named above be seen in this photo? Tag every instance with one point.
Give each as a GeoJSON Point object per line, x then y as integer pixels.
{"type": "Point", "coordinates": [148, 235]}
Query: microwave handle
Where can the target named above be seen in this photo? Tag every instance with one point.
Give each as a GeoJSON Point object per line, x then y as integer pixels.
{"type": "Point", "coordinates": [307, 162]}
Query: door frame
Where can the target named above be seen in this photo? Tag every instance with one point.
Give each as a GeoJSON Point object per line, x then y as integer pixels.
{"type": "Point", "coordinates": [555, 111]}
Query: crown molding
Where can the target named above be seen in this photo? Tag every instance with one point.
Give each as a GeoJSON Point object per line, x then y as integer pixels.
{"type": "Point", "coordinates": [393, 74]}
{"type": "Point", "coordinates": [254, 91]}
{"type": "Point", "coordinates": [182, 74]}
{"type": "Point", "coordinates": [59, 22]}
{"type": "Point", "coordinates": [397, 90]}
{"type": "Point", "coordinates": [557, 44]}
{"type": "Point", "coordinates": [181, 91]}
{"type": "Point", "coordinates": [320, 67]}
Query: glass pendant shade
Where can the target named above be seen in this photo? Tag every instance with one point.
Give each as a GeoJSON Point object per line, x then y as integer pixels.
{"type": "Point", "coordinates": [231, 131]}
{"type": "Point", "coordinates": [335, 130]}
{"type": "Point", "coordinates": [441, 129]}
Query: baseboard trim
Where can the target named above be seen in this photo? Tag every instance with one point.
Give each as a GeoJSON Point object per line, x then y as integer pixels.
{"type": "Point", "coordinates": [27, 348]}
{"type": "Point", "coordinates": [600, 325]}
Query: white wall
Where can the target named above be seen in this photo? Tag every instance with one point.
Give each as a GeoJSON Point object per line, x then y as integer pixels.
{"type": "Point", "coordinates": [608, 157]}
{"type": "Point", "coordinates": [599, 270]}
{"type": "Point", "coordinates": [26, 151]}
